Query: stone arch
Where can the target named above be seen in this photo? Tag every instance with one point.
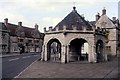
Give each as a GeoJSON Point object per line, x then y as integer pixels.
{"type": "Point", "coordinates": [75, 49]}
{"type": "Point", "coordinates": [54, 50]}
{"type": "Point", "coordinates": [78, 38]}
{"type": "Point", "coordinates": [100, 50]}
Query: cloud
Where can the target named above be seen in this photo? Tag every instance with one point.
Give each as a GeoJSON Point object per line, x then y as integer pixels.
{"type": "Point", "coordinates": [43, 12]}
{"type": "Point", "coordinates": [52, 21]}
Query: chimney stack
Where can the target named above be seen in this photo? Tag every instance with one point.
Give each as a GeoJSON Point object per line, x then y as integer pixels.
{"type": "Point", "coordinates": [36, 26]}
{"type": "Point", "coordinates": [20, 24]}
{"type": "Point", "coordinates": [6, 21]}
{"type": "Point", "coordinates": [114, 18]}
{"type": "Point", "coordinates": [97, 17]}
{"type": "Point", "coordinates": [82, 15]}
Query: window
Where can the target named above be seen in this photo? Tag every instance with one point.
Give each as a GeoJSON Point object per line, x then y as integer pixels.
{"type": "Point", "coordinates": [20, 40]}
{"type": "Point", "coordinates": [108, 48]}
{"type": "Point", "coordinates": [4, 47]}
{"type": "Point", "coordinates": [3, 36]}
{"type": "Point", "coordinates": [36, 41]}
{"type": "Point", "coordinates": [29, 41]}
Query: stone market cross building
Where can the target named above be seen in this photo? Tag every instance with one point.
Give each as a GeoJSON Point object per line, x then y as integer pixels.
{"type": "Point", "coordinates": [65, 42]}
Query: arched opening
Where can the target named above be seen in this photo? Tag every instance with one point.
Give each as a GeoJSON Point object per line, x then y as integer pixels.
{"type": "Point", "coordinates": [78, 50]}
{"type": "Point", "coordinates": [99, 50]}
{"type": "Point", "coordinates": [54, 50]}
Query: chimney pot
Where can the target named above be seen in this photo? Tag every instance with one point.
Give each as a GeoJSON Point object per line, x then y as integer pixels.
{"type": "Point", "coordinates": [114, 18]}
{"type": "Point", "coordinates": [6, 21]}
{"type": "Point", "coordinates": [19, 23]}
{"type": "Point", "coordinates": [97, 17]}
{"type": "Point", "coordinates": [36, 26]}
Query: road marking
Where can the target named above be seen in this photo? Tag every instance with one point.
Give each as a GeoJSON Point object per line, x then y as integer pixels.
{"type": "Point", "coordinates": [26, 57]}
{"type": "Point", "coordinates": [36, 55]}
{"type": "Point", "coordinates": [25, 69]}
{"type": "Point", "coordinates": [13, 59]}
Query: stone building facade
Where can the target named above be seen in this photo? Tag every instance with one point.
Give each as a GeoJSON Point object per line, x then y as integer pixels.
{"type": "Point", "coordinates": [4, 39]}
{"type": "Point", "coordinates": [113, 28]}
{"type": "Point", "coordinates": [23, 38]}
{"type": "Point", "coordinates": [64, 42]}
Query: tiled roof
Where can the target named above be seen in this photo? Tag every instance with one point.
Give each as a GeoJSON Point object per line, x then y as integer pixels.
{"type": "Point", "coordinates": [2, 26]}
{"type": "Point", "coordinates": [93, 23]}
{"type": "Point", "coordinates": [73, 19]}
{"type": "Point", "coordinates": [12, 28]}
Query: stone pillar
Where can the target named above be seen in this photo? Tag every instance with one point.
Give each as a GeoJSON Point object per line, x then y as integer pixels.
{"type": "Point", "coordinates": [74, 27]}
{"type": "Point", "coordinates": [45, 53]}
{"type": "Point", "coordinates": [64, 27]}
{"type": "Point", "coordinates": [84, 28]}
{"type": "Point", "coordinates": [50, 28]}
{"type": "Point", "coordinates": [92, 54]}
{"type": "Point", "coordinates": [67, 54]}
{"type": "Point", "coordinates": [63, 54]}
{"type": "Point", "coordinates": [105, 53]}
{"type": "Point", "coordinates": [45, 29]}
{"type": "Point", "coordinates": [42, 53]}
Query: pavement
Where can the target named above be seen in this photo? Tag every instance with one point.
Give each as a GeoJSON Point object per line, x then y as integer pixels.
{"type": "Point", "coordinates": [39, 69]}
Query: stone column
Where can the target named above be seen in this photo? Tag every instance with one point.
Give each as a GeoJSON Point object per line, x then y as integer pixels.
{"type": "Point", "coordinates": [42, 53]}
{"type": "Point", "coordinates": [105, 53]}
{"type": "Point", "coordinates": [67, 54]}
{"type": "Point", "coordinates": [63, 54]}
{"type": "Point", "coordinates": [45, 53]}
{"type": "Point", "coordinates": [92, 54]}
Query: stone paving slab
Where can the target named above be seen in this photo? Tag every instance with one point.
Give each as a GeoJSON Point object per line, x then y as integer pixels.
{"type": "Point", "coordinates": [72, 70]}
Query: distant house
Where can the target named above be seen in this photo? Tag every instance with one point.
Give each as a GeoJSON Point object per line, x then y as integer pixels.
{"type": "Point", "coordinates": [4, 39]}
{"type": "Point", "coordinates": [113, 35]}
{"type": "Point", "coordinates": [23, 38]}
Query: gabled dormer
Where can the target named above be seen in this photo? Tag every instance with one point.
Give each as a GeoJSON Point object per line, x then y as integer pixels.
{"type": "Point", "coordinates": [104, 21]}
{"type": "Point", "coordinates": [20, 31]}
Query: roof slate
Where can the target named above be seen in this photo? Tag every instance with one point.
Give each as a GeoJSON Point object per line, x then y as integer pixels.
{"type": "Point", "coordinates": [73, 19]}
{"type": "Point", "coordinates": [12, 28]}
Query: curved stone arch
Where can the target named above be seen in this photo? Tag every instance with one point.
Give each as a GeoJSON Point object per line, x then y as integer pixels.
{"type": "Point", "coordinates": [53, 51]}
{"type": "Point", "coordinates": [100, 46]}
{"type": "Point", "coordinates": [78, 54]}
{"type": "Point", "coordinates": [102, 42]}
{"type": "Point", "coordinates": [53, 38]}
{"type": "Point", "coordinates": [78, 38]}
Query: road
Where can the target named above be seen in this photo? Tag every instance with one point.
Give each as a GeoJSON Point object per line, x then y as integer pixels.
{"type": "Point", "coordinates": [12, 66]}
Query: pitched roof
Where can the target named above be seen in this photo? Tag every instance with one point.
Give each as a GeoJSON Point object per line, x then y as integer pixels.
{"type": "Point", "coordinates": [105, 18]}
{"type": "Point", "coordinates": [73, 19]}
{"type": "Point", "coordinates": [93, 23]}
{"type": "Point", "coordinates": [2, 26]}
{"type": "Point", "coordinates": [12, 28]}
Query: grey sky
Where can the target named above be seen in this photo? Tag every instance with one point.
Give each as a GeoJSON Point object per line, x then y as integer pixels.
{"type": "Point", "coordinates": [49, 12]}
